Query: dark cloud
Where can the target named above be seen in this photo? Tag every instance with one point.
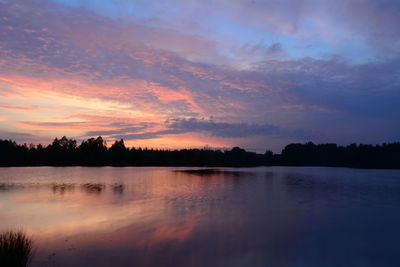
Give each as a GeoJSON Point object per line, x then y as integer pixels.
{"type": "Point", "coordinates": [116, 132]}
{"type": "Point", "coordinates": [365, 90]}
{"type": "Point", "coordinates": [210, 127]}
{"type": "Point", "coordinates": [20, 137]}
{"type": "Point", "coordinates": [234, 130]}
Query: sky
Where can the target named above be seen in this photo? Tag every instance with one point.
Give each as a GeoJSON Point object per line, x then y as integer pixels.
{"type": "Point", "coordinates": [186, 73]}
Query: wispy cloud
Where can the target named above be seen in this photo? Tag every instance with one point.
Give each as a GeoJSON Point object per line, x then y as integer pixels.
{"type": "Point", "coordinates": [207, 127]}
{"type": "Point", "coordinates": [17, 107]}
{"type": "Point", "coordinates": [272, 69]}
{"type": "Point", "coordinates": [20, 137]}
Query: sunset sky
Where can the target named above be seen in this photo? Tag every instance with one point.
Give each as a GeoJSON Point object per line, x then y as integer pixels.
{"type": "Point", "coordinates": [185, 73]}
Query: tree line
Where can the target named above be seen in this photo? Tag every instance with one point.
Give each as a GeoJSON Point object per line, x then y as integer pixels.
{"type": "Point", "coordinates": [95, 152]}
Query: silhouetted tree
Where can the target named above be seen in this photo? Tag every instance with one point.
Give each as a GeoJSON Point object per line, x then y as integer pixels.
{"type": "Point", "coordinates": [94, 152]}
{"type": "Point", "coordinates": [118, 153]}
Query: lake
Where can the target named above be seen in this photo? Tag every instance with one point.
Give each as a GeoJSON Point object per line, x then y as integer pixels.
{"type": "Point", "coordinates": [156, 216]}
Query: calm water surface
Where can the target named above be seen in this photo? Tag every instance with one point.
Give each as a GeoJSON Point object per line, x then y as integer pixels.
{"type": "Point", "coordinates": [280, 216]}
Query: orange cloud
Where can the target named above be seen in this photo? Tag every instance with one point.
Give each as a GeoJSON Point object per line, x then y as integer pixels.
{"type": "Point", "coordinates": [17, 107]}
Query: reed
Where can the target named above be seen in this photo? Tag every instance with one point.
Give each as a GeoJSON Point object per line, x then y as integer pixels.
{"type": "Point", "coordinates": [15, 249]}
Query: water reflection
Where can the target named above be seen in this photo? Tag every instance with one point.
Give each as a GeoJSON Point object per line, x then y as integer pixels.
{"type": "Point", "coordinates": [95, 188]}
{"type": "Point", "coordinates": [65, 188]}
{"type": "Point", "coordinates": [7, 186]}
{"type": "Point", "coordinates": [118, 189]}
{"type": "Point", "coordinates": [197, 217]}
{"type": "Point", "coordinates": [215, 172]}
{"type": "Point", "coordinates": [62, 188]}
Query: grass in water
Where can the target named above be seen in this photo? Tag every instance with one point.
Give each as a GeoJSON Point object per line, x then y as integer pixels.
{"type": "Point", "coordinates": [15, 249]}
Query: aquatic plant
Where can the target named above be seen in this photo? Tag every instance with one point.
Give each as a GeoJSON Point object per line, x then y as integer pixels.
{"type": "Point", "coordinates": [15, 249]}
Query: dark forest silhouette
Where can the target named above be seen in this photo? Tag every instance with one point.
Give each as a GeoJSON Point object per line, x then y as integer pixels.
{"type": "Point", "coordinates": [94, 152]}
